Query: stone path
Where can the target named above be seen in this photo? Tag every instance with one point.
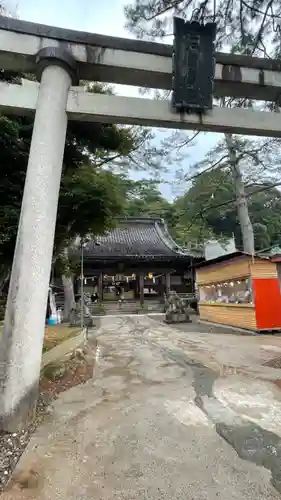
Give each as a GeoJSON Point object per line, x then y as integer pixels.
{"type": "Point", "coordinates": [161, 419]}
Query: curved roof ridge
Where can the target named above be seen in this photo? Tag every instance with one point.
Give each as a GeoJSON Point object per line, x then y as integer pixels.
{"type": "Point", "coordinates": [167, 238]}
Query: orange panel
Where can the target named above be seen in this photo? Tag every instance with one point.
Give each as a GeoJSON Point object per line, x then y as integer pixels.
{"type": "Point", "coordinates": [268, 303]}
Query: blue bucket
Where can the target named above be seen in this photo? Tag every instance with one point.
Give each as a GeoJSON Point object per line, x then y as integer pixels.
{"type": "Point", "coordinates": [52, 320]}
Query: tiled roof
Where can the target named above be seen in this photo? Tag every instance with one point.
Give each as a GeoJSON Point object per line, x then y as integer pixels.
{"type": "Point", "coordinates": [137, 238]}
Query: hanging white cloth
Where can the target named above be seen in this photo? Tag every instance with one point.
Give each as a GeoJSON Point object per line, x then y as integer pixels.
{"type": "Point", "coordinates": [52, 302]}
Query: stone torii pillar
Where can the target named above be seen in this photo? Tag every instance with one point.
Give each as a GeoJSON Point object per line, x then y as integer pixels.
{"type": "Point", "coordinates": [22, 339]}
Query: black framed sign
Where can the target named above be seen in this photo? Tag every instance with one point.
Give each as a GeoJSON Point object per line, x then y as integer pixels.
{"type": "Point", "coordinates": [193, 65]}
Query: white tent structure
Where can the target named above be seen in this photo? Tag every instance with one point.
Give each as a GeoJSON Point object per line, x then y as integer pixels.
{"type": "Point", "coordinates": [217, 248]}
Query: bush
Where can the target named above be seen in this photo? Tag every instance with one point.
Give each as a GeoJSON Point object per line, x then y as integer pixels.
{"type": "Point", "coordinates": [2, 307]}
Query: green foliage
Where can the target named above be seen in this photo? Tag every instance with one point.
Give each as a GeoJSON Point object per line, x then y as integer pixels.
{"type": "Point", "coordinates": [90, 199]}
{"type": "Point", "coordinates": [192, 234]}
{"type": "Point", "coordinates": [208, 209]}
{"type": "Point", "coordinates": [2, 308]}
{"type": "Point", "coordinates": [145, 199]}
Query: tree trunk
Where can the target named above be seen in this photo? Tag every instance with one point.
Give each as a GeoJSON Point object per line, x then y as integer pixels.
{"type": "Point", "coordinates": [69, 299]}
{"type": "Point", "coordinates": [241, 199]}
{"type": "Point", "coordinates": [68, 289]}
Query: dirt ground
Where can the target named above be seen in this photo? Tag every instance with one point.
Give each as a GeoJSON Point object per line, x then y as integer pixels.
{"type": "Point", "coordinates": [62, 377]}
{"type": "Point", "coordinates": [55, 334]}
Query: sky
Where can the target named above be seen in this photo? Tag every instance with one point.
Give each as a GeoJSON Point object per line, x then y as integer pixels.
{"type": "Point", "coordinates": [105, 17]}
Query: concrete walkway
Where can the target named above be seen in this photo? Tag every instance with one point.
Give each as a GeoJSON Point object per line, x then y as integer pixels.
{"type": "Point", "coordinates": [161, 420]}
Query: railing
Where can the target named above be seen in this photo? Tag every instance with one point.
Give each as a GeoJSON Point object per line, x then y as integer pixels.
{"type": "Point", "coordinates": [59, 298]}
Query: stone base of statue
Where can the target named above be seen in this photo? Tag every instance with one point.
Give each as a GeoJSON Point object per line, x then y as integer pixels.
{"type": "Point", "coordinates": [177, 318]}
{"type": "Point", "coordinates": [176, 310]}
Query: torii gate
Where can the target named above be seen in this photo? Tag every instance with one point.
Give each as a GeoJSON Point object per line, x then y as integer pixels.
{"type": "Point", "coordinates": [60, 58]}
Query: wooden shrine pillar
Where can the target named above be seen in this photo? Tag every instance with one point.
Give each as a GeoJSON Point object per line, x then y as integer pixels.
{"type": "Point", "coordinates": [192, 277]}
{"type": "Point", "coordinates": [167, 283]}
{"type": "Point", "coordinates": [136, 288]}
{"type": "Point", "coordinates": [100, 286]}
{"type": "Point", "coordinates": [141, 288]}
{"type": "Point", "coordinates": [76, 286]}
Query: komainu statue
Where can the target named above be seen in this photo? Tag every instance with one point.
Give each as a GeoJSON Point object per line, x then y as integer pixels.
{"type": "Point", "coordinates": [176, 309]}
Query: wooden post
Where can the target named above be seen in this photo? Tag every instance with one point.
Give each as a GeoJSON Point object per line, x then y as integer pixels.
{"type": "Point", "coordinates": [76, 286]}
{"type": "Point", "coordinates": [141, 285]}
{"type": "Point", "coordinates": [100, 286]}
{"type": "Point", "coordinates": [192, 277]}
{"type": "Point", "coordinates": [136, 283]}
{"type": "Point", "coordinates": [168, 283]}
